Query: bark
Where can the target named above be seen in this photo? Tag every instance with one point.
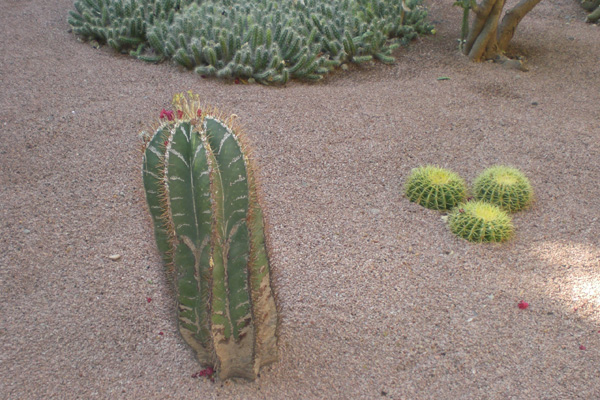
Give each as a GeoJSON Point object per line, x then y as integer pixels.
{"type": "Point", "coordinates": [481, 11]}
{"type": "Point", "coordinates": [512, 19]}
{"type": "Point", "coordinates": [488, 37]}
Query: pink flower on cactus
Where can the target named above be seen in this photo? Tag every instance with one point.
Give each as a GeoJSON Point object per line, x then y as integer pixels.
{"type": "Point", "coordinates": [179, 114]}
{"type": "Point", "coordinates": [199, 112]}
{"type": "Point", "coordinates": [523, 305]}
{"type": "Point", "coordinates": [166, 114]}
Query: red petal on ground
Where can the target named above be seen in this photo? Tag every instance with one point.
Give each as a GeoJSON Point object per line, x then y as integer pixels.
{"type": "Point", "coordinates": [523, 305]}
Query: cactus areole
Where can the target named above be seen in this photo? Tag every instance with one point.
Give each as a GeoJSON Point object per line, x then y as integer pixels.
{"type": "Point", "coordinates": [209, 228]}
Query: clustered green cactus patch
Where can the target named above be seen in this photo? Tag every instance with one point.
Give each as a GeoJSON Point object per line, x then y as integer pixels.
{"type": "Point", "coordinates": [498, 190]}
{"type": "Point", "coordinates": [435, 188]}
{"type": "Point", "coordinates": [209, 227]}
{"type": "Point", "coordinates": [269, 41]}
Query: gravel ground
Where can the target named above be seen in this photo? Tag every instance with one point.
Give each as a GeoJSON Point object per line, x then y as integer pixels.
{"type": "Point", "coordinates": [378, 298]}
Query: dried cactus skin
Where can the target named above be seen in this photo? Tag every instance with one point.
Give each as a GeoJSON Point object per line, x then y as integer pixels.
{"type": "Point", "coordinates": [152, 175]}
{"type": "Point", "coordinates": [206, 199]}
{"type": "Point", "coordinates": [505, 187]}
{"type": "Point", "coordinates": [478, 221]}
{"type": "Point", "coordinates": [435, 188]}
{"type": "Point", "coordinates": [264, 310]}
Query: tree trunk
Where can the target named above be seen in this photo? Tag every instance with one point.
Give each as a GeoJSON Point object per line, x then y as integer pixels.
{"type": "Point", "coordinates": [488, 37]}
{"type": "Point", "coordinates": [482, 42]}
{"type": "Point", "coordinates": [512, 19]}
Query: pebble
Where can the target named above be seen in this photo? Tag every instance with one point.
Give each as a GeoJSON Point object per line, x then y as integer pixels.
{"type": "Point", "coordinates": [26, 231]}
{"type": "Point", "coordinates": [114, 257]}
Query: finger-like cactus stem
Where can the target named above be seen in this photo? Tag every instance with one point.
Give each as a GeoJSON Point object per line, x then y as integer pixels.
{"type": "Point", "coordinates": [202, 195]}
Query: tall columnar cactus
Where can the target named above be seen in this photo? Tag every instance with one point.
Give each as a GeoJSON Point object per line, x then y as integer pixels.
{"type": "Point", "coordinates": [202, 195]}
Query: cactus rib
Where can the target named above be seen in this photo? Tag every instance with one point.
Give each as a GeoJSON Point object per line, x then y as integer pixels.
{"type": "Point", "coordinates": [202, 195]}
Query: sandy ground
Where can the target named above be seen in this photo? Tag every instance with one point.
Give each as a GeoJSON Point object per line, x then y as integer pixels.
{"type": "Point", "coordinates": [378, 298]}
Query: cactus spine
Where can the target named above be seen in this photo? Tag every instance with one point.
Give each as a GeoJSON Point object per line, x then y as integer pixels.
{"type": "Point", "coordinates": [477, 221]}
{"type": "Point", "coordinates": [435, 188]}
{"type": "Point", "coordinates": [505, 187]}
{"type": "Point", "coordinates": [196, 168]}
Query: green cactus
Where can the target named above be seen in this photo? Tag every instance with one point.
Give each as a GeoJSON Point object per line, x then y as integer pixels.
{"type": "Point", "coordinates": [153, 176]}
{"type": "Point", "coordinates": [435, 188]}
{"type": "Point", "coordinates": [593, 7]}
{"type": "Point", "coordinates": [478, 221]}
{"type": "Point", "coordinates": [268, 41]}
{"type": "Point", "coordinates": [505, 187]}
{"type": "Point", "coordinates": [202, 196]}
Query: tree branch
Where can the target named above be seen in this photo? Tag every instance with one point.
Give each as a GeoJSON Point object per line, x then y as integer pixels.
{"type": "Point", "coordinates": [482, 12]}
{"type": "Point", "coordinates": [485, 41]}
{"type": "Point", "coordinates": [511, 20]}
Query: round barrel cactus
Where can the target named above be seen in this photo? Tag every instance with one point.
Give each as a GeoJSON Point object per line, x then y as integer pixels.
{"type": "Point", "coordinates": [478, 221]}
{"type": "Point", "coordinates": [435, 188]}
{"type": "Point", "coordinates": [505, 187]}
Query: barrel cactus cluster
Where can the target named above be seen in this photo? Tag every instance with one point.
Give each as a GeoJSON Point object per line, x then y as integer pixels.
{"type": "Point", "coordinates": [268, 41]}
{"type": "Point", "coordinates": [484, 217]}
{"type": "Point", "coordinates": [202, 195]}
